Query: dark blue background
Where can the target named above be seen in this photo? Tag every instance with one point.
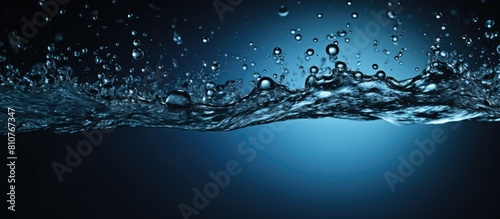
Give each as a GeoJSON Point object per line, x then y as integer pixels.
{"type": "Point", "coordinates": [318, 168]}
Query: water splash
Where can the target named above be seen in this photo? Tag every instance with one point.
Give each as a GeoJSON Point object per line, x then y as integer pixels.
{"type": "Point", "coordinates": [51, 96]}
{"type": "Point", "coordinates": [446, 90]}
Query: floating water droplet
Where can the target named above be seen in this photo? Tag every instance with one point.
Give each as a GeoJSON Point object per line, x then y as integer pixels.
{"type": "Point", "coordinates": [354, 15]}
{"type": "Point", "coordinates": [283, 11]}
{"type": "Point", "coordinates": [178, 99]}
{"type": "Point", "coordinates": [391, 14]}
{"type": "Point", "coordinates": [51, 47]}
{"type": "Point", "coordinates": [137, 54]}
{"type": "Point", "coordinates": [215, 66]}
{"type": "Point", "coordinates": [310, 81]}
{"type": "Point", "coordinates": [349, 2]}
{"type": "Point", "coordinates": [211, 93]}
{"type": "Point", "coordinates": [340, 66]}
{"type": "Point", "coordinates": [136, 42]}
{"type": "Point", "coordinates": [380, 75]}
{"type": "Point", "coordinates": [437, 39]}
{"type": "Point", "coordinates": [375, 66]}
{"type": "Point", "coordinates": [332, 50]}
{"type": "Point", "coordinates": [490, 23]}
{"type": "Point", "coordinates": [315, 40]}
{"type": "Point", "coordinates": [358, 76]}
{"type": "Point", "coordinates": [205, 39]}
{"type": "Point", "coordinates": [443, 26]}
{"type": "Point", "coordinates": [469, 41]}
{"type": "Point", "coordinates": [298, 37]}
{"type": "Point", "coordinates": [277, 51]}
{"type": "Point", "coordinates": [177, 38]}
{"type": "Point", "coordinates": [310, 52]}
{"type": "Point", "coordinates": [266, 83]}
{"type": "Point", "coordinates": [293, 31]}
{"type": "Point", "coordinates": [245, 66]}
{"type": "Point", "coordinates": [417, 69]}
{"type": "Point", "coordinates": [394, 38]}
{"type": "Point", "coordinates": [314, 70]}
{"type": "Point", "coordinates": [347, 40]}
{"type": "Point", "coordinates": [438, 15]}
{"type": "Point", "coordinates": [320, 15]}
{"type": "Point", "coordinates": [342, 33]}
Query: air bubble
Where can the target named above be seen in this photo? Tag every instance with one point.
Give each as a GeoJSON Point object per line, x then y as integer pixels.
{"type": "Point", "coordinates": [245, 67]}
{"type": "Point", "coordinates": [354, 15]}
{"type": "Point", "coordinates": [320, 15]}
{"type": "Point", "coordinates": [375, 66]}
{"type": "Point", "coordinates": [349, 2]}
{"type": "Point", "coordinates": [342, 33]}
{"type": "Point", "coordinates": [205, 39]}
{"type": "Point", "coordinates": [498, 49]}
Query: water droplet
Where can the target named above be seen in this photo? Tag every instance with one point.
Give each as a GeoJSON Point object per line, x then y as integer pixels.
{"type": "Point", "coordinates": [313, 70]}
{"type": "Point", "coordinates": [298, 37]}
{"type": "Point", "coordinates": [443, 26]}
{"type": "Point", "coordinates": [215, 66]}
{"type": "Point", "coordinates": [177, 38]}
{"type": "Point", "coordinates": [51, 47]}
{"type": "Point", "coordinates": [349, 2]}
{"type": "Point", "coordinates": [283, 11]}
{"type": "Point", "coordinates": [438, 15]}
{"type": "Point", "coordinates": [358, 76]}
{"type": "Point", "coordinates": [293, 31]}
{"type": "Point", "coordinates": [136, 42]}
{"type": "Point", "coordinates": [277, 51]}
{"type": "Point", "coordinates": [394, 38]}
{"type": "Point", "coordinates": [137, 54]}
{"type": "Point", "coordinates": [205, 39]}
{"type": "Point", "coordinates": [332, 50]}
{"type": "Point", "coordinates": [391, 14]}
{"type": "Point", "coordinates": [315, 40]}
{"type": "Point", "coordinates": [380, 75]}
{"type": "Point", "coordinates": [211, 93]}
{"type": "Point", "coordinates": [375, 66]}
{"type": "Point", "coordinates": [490, 23]}
{"type": "Point", "coordinates": [245, 66]}
{"type": "Point", "coordinates": [347, 40]}
{"type": "Point", "coordinates": [437, 39]}
{"type": "Point", "coordinates": [178, 99]}
{"type": "Point", "coordinates": [475, 19]}
{"type": "Point", "coordinates": [340, 66]}
{"type": "Point", "coordinates": [310, 81]}
{"type": "Point", "coordinates": [342, 33]}
{"type": "Point", "coordinates": [417, 69]}
{"type": "Point", "coordinates": [310, 52]}
{"type": "Point", "coordinates": [266, 83]}
{"type": "Point", "coordinates": [468, 41]}
{"type": "Point", "coordinates": [354, 15]}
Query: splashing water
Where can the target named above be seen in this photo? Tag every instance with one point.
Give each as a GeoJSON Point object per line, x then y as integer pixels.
{"type": "Point", "coordinates": [51, 97]}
